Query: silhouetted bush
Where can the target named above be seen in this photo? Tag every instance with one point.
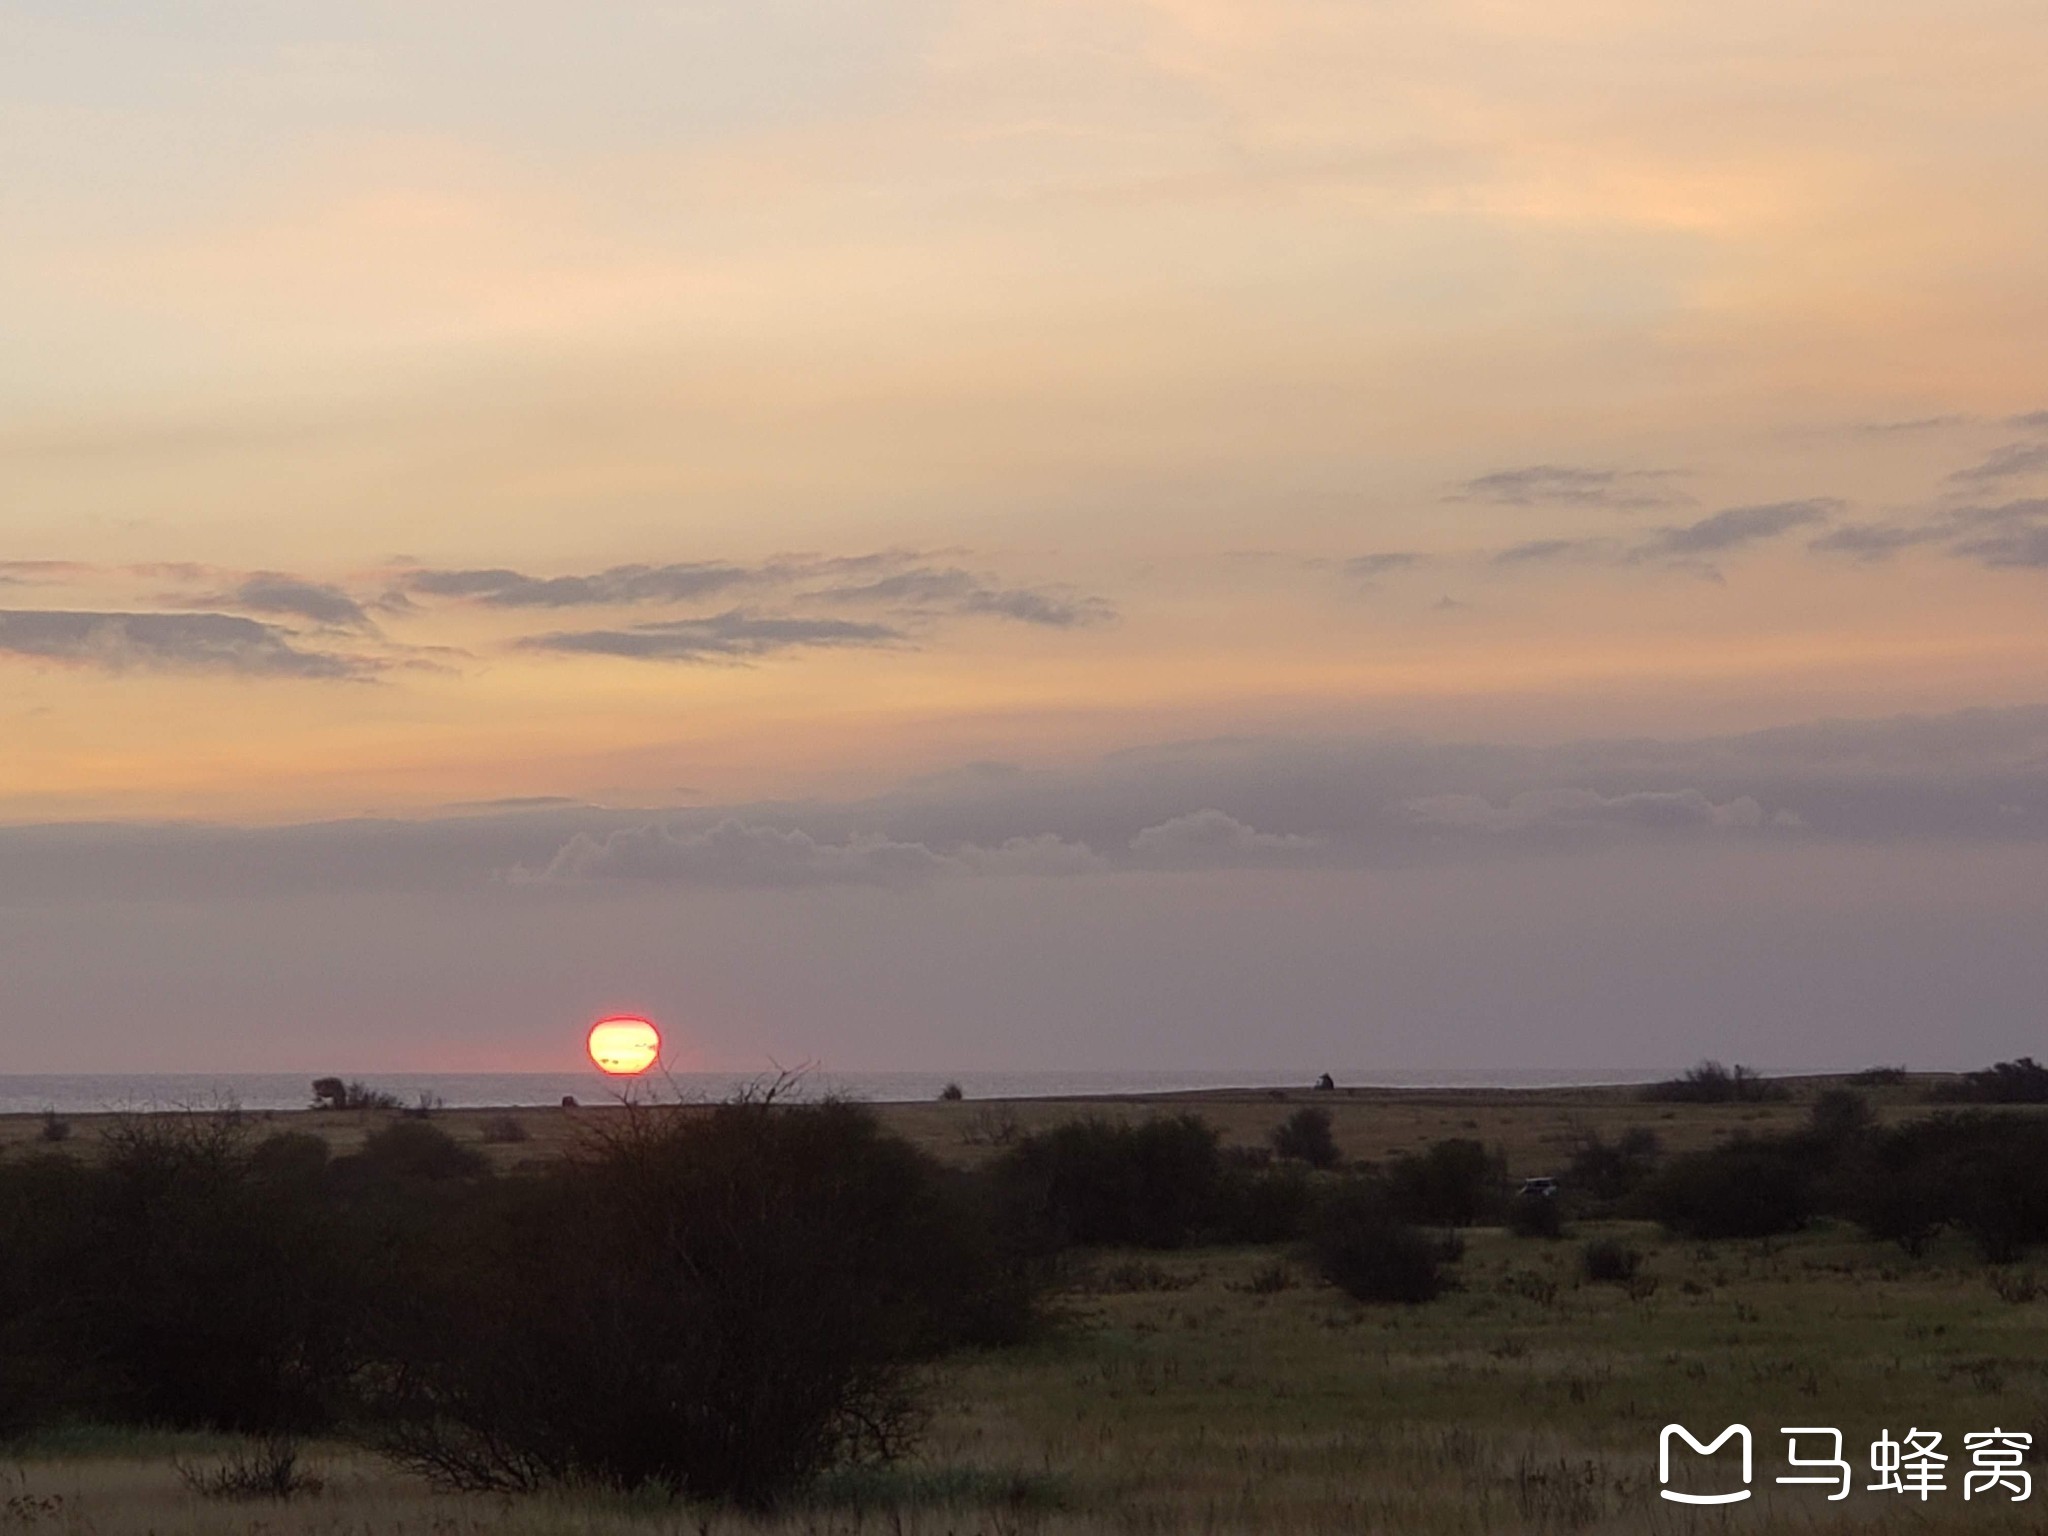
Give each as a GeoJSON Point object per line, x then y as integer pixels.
{"type": "Point", "coordinates": [2024, 1081]}
{"type": "Point", "coordinates": [952, 1093]}
{"type": "Point", "coordinates": [412, 1151]}
{"type": "Point", "coordinates": [218, 1290]}
{"type": "Point", "coordinates": [717, 1303]}
{"type": "Point", "coordinates": [1151, 1185]}
{"type": "Point", "coordinates": [1838, 1117]}
{"type": "Point", "coordinates": [55, 1128]}
{"type": "Point", "coordinates": [1981, 1173]}
{"type": "Point", "coordinates": [1260, 1202]}
{"type": "Point", "coordinates": [505, 1130]}
{"type": "Point", "coordinates": [1712, 1083]}
{"type": "Point", "coordinates": [1749, 1188]}
{"type": "Point", "coordinates": [1606, 1174]}
{"type": "Point", "coordinates": [266, 1469]}
{"type": "Point", "coordinates": [1608, 1261]}
{"type": "Point", "coordinates": [1535, 1215]}
{"type": "Point", "coordinates": [1452, 1184]}
{"type": "Point", "coordinates": [1877, 1077]}
{"type": "Point", "coordinates": [45, 1259]}
{"type": "Point", "coordinates": [333, 1093]}
{"type": "Point", "coordinates": [1897, 1189]}
{"type": "Point", "coordinates": [1360, 1244]}
{"type": "Point", "coordinates": [1306, 1137]}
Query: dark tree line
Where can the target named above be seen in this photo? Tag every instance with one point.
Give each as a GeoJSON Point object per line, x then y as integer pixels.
{"type": "Point", "coordinates": [720, 1302]}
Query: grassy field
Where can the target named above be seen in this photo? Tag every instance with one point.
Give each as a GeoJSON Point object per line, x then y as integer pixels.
{"type": "Point", "coordinates": [1219, 1390]}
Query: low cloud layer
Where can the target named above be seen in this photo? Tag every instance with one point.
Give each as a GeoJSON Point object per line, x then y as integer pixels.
{"type": "Point", "coordinates": [888, 599]}
{"type": "Point", "coordinates": [1573, 485]}
{"type": "Point", "coordinates": [2010, 535]}
{"type": "Point", "coordinates": [2007, 463]}
{"type": "Point", "coordinates": [741, 853]}
{"type": "Point", "coordinates": [288, 596]}
{"type": "Point", "coordinates": [1583, 809]}
{"type": "Point", "coordinates": [902, 584]}
{"type": "Point", "coordinates": [198, 642]}
{"type": "Point", "coordinates": [1977, 778]}
{"type": "Point", "coordinates": [1737, 526]}
{"type": "Point", "coordinates": [619, 586]}
{"type": "Point", "coordinates": [731, 636]}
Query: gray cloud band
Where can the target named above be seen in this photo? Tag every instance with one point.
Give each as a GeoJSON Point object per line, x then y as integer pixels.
{"type": "Point", "coordinates": [1977, 777]}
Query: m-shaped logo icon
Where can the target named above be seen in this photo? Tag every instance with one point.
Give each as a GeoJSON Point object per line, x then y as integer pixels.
{"type": "Point", "coordinates": [1732, 1432]}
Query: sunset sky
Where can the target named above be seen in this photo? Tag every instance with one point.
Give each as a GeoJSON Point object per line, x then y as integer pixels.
{"type": "Point", "coordinates": [1224, 533]}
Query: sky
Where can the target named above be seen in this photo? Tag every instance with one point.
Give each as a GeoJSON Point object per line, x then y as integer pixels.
{"type": "Point", "coordinates": [1266, 534]}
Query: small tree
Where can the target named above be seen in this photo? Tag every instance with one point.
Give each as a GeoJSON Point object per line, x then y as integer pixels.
{"type": "Point", "coordinates": [1156, 1184]}
{"type": "Point", "coordinates": [1360, 1245]}
{"type": "Point", "coordinates": [333, 1093]}
{"type": "Point", "coordinates": [1535, 1215]}
{"type": "Point", "coordinates": [1748, 1188]}
{"type": "Point", "coordinates": [718, 1304]}
{"type": "Point", "coordinates": [1306, 1137]}
{"type": "Point", "coordinates": [1451, 1184]}
{"type": "Point", "coordinates": [1712, 1083]}
{"type": "Point", "coordinates": [1609, 1261]}
{"type": "Point", "coordinates": [2023, 1081]}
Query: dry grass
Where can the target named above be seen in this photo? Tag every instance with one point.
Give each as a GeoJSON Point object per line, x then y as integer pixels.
{"type": "Point", "coordinates": [1535, 1127]}
{"type": "Point", "coordinates": [1202, 1401]}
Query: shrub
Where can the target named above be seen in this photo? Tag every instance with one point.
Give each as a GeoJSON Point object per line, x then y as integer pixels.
{"type": "Point", "coordinates": [1749, 1188]}
{"type": "Point", "coordinates": [1306, 1137]}
{"type": "Point", "coordinates": [413, 1151]}
{"type": "Point", "coordinates": [1359, 1243]}
{"type": "Point", "coordinates": [1609, 1261]}
{"type": "Point", "coordinates": [952, 1093]}
{"type": "Point", "coordinates": [1895, 1189]}
{"type": "Point", "coordinates": [1712, 1083]}
{"type": "Point", "coordinates": [1839, 1116]}
{"type": "Point", "coordinates": [1877, 1077]}
{"type": "Point", "coordinates": [2024, 1081]}
{"type": "Point", "coordinates": [55, 1128]}
{"type": "Point", "coordinates": [1260, 1204]}
{"type": "Point", "coordinates": [1151, 1185]}
{"type": "Point", "coordinates": [1608, 1173]}
{"type": "Point", "coordinates": [1453, 1184]}
{"type": "Point", "coordinates": [1997, 1189]}
{"type": "Point", "coordinates": [45, 1261]}
{"type": "Point", "coordinates": [991, 1126]}
{"type": "Point", "coordinates": [504, 1130]}
{"type": "Point", "coordinates": [1268, 1280]}
{"type": "Point", "coordinates": [267, 1469]}
{"type": "Point", "coordinates": [212, 1286]}
{"type": "Point", "coordinates": [333, 1093]}
{"type": "Point", "coordinates": [1136, 1275]}
{"type": "Point", "coordinates": [1979, 1172]}
{"type": "Point", "coordinates": [1534, 1215]}
{"type": "Point", "coordinates": [715, 1304]}
{"type": "Point", "coordinates": [2016, 1287]}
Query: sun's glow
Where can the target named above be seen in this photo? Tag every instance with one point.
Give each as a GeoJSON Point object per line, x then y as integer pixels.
{"type": "Point", "coordinates": [624, 1047]}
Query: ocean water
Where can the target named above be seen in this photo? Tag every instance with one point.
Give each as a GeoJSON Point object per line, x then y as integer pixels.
{"type": "Point", "coordinates": [90, 1092]}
